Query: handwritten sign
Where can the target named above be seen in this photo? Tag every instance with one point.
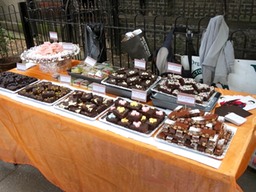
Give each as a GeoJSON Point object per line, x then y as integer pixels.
{"type": "Point", "coordinates": [186, 99]}
{"type": "Point", "coordinates": [98, 88]}
{"type": "Point", "coordinates": [139, 95]}
{"type": "Point", "coordinates": [24, 66]}
{"type": "Point", "coordinates": [67, 46]}
{"type": "Point", "coordinates": [53, 35]}
{"type": "Point", "coordinates": [90, 61]}
{"type": "Point", "coordinates": [65, 79]}
{"type": "Point", "coordinates": [140, 64]}
{"type": "Point", "coordinates": [174, 68]}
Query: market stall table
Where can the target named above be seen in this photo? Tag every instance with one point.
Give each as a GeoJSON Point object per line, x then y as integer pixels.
{"type": "Point", "coordinates": [77, 156]}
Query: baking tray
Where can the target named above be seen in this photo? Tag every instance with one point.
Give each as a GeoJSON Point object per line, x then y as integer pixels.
{"type": "Point", "coordinates": [45, 103]}
{"type": "Point", "coordinates": [168, 102]}
{"type": "Point", "coordinates": [232, 129]}
{"type": "Point", "coordinates": [149, 134]}
{"type": "Point", "coordinates": [34, 80]}
{"type": "Point", "coordinates": [57, 106]}
{"type": "Point", "coordinates": [123, 91]}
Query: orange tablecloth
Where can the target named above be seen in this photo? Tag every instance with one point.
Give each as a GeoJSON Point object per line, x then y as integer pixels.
{"type": "Point", "coordinates": [80, 157]}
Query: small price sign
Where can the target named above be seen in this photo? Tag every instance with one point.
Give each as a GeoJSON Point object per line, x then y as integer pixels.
{"type": "Point", "coordinates": [67, 46]}
{"type": "Point", "coordinates": [186, 99]}
{"type": "Point", "coordinates": [139, 95]}
{"type": "Point", "coordinates": [174, 68]}
{"type": "Point", "coordinates": [90, 61]}
{"type": "Point", "coordinates": [140, 64]}
{"type": "Point", "coordinates": [65, 79]}
{"type": "Point", "coordinates": [99, 88]}
{"type": "Point", "coordinates": [53, 35]}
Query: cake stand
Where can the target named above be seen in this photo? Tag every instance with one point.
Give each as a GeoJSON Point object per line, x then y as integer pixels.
{"type": "Point", "coordinates": [51, 63]}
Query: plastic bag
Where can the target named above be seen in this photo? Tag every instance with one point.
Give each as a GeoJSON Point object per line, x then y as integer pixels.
{"type": "Point", "coordinates": [95, 44]}
{"type": "Point", "coordinates": [136, 46]}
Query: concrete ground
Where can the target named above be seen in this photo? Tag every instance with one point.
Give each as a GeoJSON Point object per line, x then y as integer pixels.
{"type": "Point", "coordinates": [26, 178]}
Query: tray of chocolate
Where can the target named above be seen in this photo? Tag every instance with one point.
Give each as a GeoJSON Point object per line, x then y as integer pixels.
{"type": "Point", "coordinates": [85, 104]}
{"type": "Point", "coordinates": [134, 117]}
{"type": "Point", "coordinates": [44, 92]}
{"type": "Point", "coordinates": [13, 82]}
{"type": "Point", "coordinates": [122, 81]}
{"type": "Point", "coordinates": [164, 93]}
{"type": "Point", "coordinates": [197, 131]}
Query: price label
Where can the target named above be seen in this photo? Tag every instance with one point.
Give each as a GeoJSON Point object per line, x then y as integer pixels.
{"type": "Point", "coordinates": [139, 95]}
{"type": "Point", "coordinates": [90, 61]}
{"type": "Point", "coordinates": [53, 35]}
{"type": "Point", "coordinates": [186, 99]}
{"type": "Point", "coordinates": [174, 68]}
{"type": "Point", "coordinates": [67, 46]}
{"type": "Point", "coordinates": [140, 64]}
{"type": "Point", "coordinates": [99, 88]}
{"type": "Point", "coordinates": [65, 79]}
{"type": "Point", "coordinates": [24, 66]}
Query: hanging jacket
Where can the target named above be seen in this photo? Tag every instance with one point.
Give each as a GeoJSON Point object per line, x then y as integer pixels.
{"type": "Point", "coordinates": [216, 52]}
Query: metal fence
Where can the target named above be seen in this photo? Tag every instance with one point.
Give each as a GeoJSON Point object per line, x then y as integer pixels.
{"type": "Point", "coordinates": [156, 19]}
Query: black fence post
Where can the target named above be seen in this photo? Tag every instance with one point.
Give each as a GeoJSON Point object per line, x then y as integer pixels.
{"type": "Point", "coordinates": [25, 25]}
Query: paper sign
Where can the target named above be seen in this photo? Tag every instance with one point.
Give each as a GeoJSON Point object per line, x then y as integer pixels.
{"type": "Point", "coordinates": [67, 46]}
{"type": "Point", "coordinates": [174, 68]}
{"type": "Point", "coordinates": [24, 66]}
{"type": "Point", "coordinates": [99, 88]}
{"type": "Point", "coordinates": [90, 61]}
{"type": "Point", "coordinates": [139, 95]}
{"type": "Point", "coordinates": [65, 79]}
{"type": "Point", "coordinates": [140, 64]}
{"type": "Point", "coordinates": [53, 35]}
{"type": "Point", "coordinates": [186, 99]}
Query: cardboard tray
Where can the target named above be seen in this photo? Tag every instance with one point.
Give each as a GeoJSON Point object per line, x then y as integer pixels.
{"type": "Point", "coordinates": [80, 76]}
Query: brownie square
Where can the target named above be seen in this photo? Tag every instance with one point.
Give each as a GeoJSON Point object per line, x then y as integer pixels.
{"type": "Point", "coordinates": [139, 126]}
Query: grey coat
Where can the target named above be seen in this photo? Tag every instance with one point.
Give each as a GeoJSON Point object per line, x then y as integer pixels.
{"type": "Point", "coordinates": [216, 52]}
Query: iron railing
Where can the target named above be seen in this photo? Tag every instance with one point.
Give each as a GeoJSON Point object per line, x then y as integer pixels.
{"type": "Point", "coordinates": [156, 19]}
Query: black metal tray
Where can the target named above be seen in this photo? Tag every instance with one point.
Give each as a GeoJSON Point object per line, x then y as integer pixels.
{"type": "Point", "coordinates": [123, 91]}
{"type": "Point", "coordinates": [170, 102]}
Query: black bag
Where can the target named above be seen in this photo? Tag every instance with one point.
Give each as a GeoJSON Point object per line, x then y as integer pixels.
{"type": "Point", "coordinates": [137, 47]}
{"type": "Point", "coordinates": [95, 44]}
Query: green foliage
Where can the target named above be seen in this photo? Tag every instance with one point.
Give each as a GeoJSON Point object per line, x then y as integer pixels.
{"type": "Point", "coordinates": [3, 42]}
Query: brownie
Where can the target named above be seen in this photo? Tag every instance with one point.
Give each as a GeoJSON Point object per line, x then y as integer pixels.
{"type": "Point", "coordinates": [121, 102]}
{"type": "Point", "coordinates": [122, 84]}
{"type": "Point", "coordinates": [86, 97]}
{"type": "Point", "coordinates": [172, 83]}
{"type": "Point", "coordinates": [144, 74]}
{"type": "Point", "coordinates": [147, 111]}
{"type": "Point", "coordinates": [111, 80]}
{"type": "Point", "coordinates": [120, 112]}
{"type": "Point", "coordinates": [146, 83]}
{"type": "Point", "coordinates": [139, 126]}
{"type": "Point", "coordinates": [134, 115]}
{"type": "Point", "coordinates": [112, 118]}
{"type": "Point", "coordinates": [186, 89]}
{"type": "Point", "coordinates": [159, 114]}
{"type": "Point", "coordinates": [98, 100]}
{"type": "Point", "coordinates": [124, 122]}
{"type": "Point", "coordinates": [134, 105]}
{"type": "Point", "coordinates": [137, 86]}
{"type": "Point", "coordinates": [89, 107]}
{"type": "Point", "coordinates": [152, 123]}
{"type": "Point", "coordinates": [132, 72]}
{"type": "Point", "coordinates": [133, 80]}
